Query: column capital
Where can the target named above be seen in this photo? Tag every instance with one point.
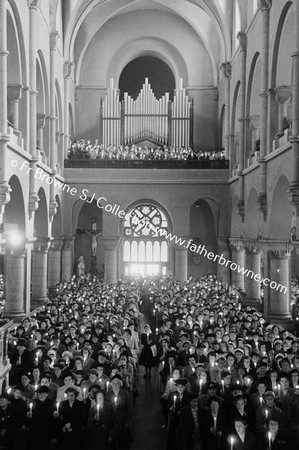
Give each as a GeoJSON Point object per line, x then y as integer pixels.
{"type": "Point", "coordinates": [40, 120]}
{"type": "Point", "coordinates": [14, 92]}
{"type": "Point", "coordinates": [264, 5]}
{"type": "Point", "coordinates": [241, 36]}
{"type": "Point", "coordinates": [254, 122]}
{"type": "Point", "coordinates": [54, 36]}
{"type": "Point", "coordinates": [68, 242]}
{"type": "Point", "coordinates": [236, 245]}
{"type": "Point", "coordinates": [110, 243]}
{"type": "Point", "coordinates": [253, 250]}
{"type": "Point", "coordinates": [5, 191]}
{"type": "Point", "coordinates": [67, 68]}
{"type": "Point", "coordinates": [279, 254]}
{"type": "Point", "coordinates": [33, 4]}
{"type": "Point", "coordinates": [41, 244]}
{"type": "Point", "coordinates": [226, 69]}
{"type": "Point", "coordinates": [56, 244]}
{"type": "Point", "coordinates": [283, 94]}
{"type": "Point", "coordinates": [293, 195]}
{"type": "Point", "coordinates": [53, 208]}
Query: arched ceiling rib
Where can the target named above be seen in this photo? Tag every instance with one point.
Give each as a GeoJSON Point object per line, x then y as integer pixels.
{"type": "Point", "coordinates": [204, 16]}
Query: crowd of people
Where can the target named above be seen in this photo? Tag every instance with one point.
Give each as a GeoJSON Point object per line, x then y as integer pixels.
{"type": "Point", "coordinates": [227, 379]}
{"type": "Point", "coordinates": [86, 150]}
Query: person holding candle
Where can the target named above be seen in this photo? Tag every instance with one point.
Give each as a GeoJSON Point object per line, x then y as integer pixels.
{"type": "Point", "coordinates": [189, 428]}
{"type": "Point", "coordinates": [40, 421]}
{"type": "Point", "coordinates": [241, 438]}
{"type": "Point", "coordinates": [274, 438]}
{"type": "Point", "coordinates": [69, 381]}
{"type": "Point", "coordinates": [9, 424]}
{"type": "Point", "coordinates": [213, 426]}
{"type": "Point", "coordinates": [101, 424]}
{"type": "Point", "coordinates": [71, 420]}
{"type": "Point", "coordinates": [176, 401]}
{"type": "Point", "coordinates": [257, 399]}
{"type": "Point", "coordinates": [267, 411]}
{"type": "Point", "coordinates": [119, 399]}
{"type": "Point", "coordinates": [146, 358]}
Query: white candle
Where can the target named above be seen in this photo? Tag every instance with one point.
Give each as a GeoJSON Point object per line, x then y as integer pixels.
{"type": "Point", "coordinates": [57, 407]}
{"type": "Point", "coordinates": [84, 393]}
{"type": "Point", "coordinates": [266, 413]}
{"type": "Point", "coordinates": [174, 400]}
{"type": "Point", "coordinates": [269, 437]}
{"type": "Point", "coordinates": [200, 386]}
{"type": "Point", "coordinates": [222, 383]}
{"type": "Point", "coordinates": [30, 407]}
{"type": "Point", "coordinates": [115, 400]}
{"type": "Point", "coordinates": [171, 381]}
{"type": "Point", "coordinates": [261, 400]}
{"type": "Point", "coordinates": [232, 440]}
{"type": "Point", "coordinates": [98, 411]}
{"type": "Point", "coordinates": [107, 385]}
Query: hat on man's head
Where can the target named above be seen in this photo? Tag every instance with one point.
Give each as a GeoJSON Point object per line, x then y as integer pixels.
{"type": "Point", "coordinates": [269, 394]}
{"type": "Point", "coordinates": [21, 343]}
{"type": "Point", "coordinates": [116, 377]}
{"type": "Point", "coordinates": [181, 382]}
{"type": "Point", "coordinates": [43, 390]}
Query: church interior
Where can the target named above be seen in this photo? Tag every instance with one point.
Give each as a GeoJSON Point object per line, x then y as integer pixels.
{"type": "Point", "coordinates": [149, 174]}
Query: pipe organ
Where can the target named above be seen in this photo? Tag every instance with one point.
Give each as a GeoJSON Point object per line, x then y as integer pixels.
{"type": "Point", "coordinates": [160, 121]}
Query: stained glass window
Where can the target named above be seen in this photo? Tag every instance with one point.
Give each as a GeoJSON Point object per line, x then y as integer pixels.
{"type": "Point", "coordinates": [145, 247]}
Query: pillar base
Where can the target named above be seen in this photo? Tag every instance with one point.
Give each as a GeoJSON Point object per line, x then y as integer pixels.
{"type": "Point", "coordinates": [254, 302]}
{"type": "Point", "coordinates": [285, 322]}
{"type": "Point", "coordinates": [38, 302]}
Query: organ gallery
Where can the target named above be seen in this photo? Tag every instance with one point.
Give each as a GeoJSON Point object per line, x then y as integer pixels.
{"type": "Point", "coordinates": [149, 192]}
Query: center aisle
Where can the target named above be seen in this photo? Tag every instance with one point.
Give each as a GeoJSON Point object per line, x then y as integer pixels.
{"type": "Point", "coordinates": [147, 417]}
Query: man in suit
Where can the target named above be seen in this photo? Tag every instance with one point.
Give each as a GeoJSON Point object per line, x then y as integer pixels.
{"type": "Point", "coordinates": [214, 427]}
{"type": "Point", "coordinates": [189, 425]}
{"type": "Point", "coordinates": [241, 439]}
{"type": "Point", "coordinates": [176, 402]}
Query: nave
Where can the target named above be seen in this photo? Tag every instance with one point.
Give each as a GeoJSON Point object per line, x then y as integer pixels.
{"type": "Point", "coordinates": [150, 364]}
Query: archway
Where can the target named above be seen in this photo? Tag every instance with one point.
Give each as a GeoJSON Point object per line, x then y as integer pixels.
{"type": "Point", "coordinates": [90, 219]}
{"type": "Point", "coordinates": [159, 74]}
{"type": "Point", "coordinates": [203, 232]}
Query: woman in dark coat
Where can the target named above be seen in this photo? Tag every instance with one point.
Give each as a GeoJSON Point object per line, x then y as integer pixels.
{"type": "Point", "coordinates": [71, 421]}
{"type": "Point", "coordinates": [146, 357]}
{"type": "Point", "coordinates": [40, 421]}
{"type": "Point", "coordinates": [101, 424]}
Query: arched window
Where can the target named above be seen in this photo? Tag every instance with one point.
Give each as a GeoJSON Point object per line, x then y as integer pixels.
{"type": "Point", "coordinates": [145, 249]}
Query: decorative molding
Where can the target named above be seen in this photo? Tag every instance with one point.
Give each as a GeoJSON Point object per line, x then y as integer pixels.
{"type": "Point", "coordinates": [67, 69]}
{"type": "Point", "coordinates": [236, 244]}
{"type": "Point", "coordinates": [53, 208]}
{"type": "Point", "coordinates": [226, 69]}
{"type": "Point", "coordinates": [14, 92]}
{"type": "Point", "coordinates": [33, 4]}
{"type": "Point", "coordinates": [54, 36]}
{"type": "Point", "coordinates": [283, 94]}
{"type": "Point", "coordinates": [5, 191]}
{"type": "Point", "coordinates": [41, 120]}
{"type": "Point", "coordinates": [242, 40]}
{"type": "Point", "coordinates": [33, 203]}
{"type": "Point", "coordinates": [264, 5]}
{"type": "Point", "coordinates": [279, 254]}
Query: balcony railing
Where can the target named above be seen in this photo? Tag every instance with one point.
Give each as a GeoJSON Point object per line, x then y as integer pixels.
{"type": "Point", "coordinates": [145, 164]}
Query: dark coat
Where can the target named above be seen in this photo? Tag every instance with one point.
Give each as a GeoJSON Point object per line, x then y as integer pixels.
{"type": "Point", "coordinates": [211, 441]}
{"type": "Point", "coordinates": [248, 444]}
{"type": "Point", "coordinates": [102, 428]}
{"type": "Point", "coordinates": [9, 422]}
{"type": "Point", "coordinates": [42, 425]}
{"type": "Point", "coordinates": [186, 429]}
{"type": "Point", "coordinates": [72, 440]}
{"type": "Point", "coordinates": [146, 358]}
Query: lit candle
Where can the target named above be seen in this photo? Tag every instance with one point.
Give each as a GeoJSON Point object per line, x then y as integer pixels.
{"type": "Point", "coordinates": [266, 413]}
{"type": "Point", "coordinates": [30, 407]}
{"type": "Point", "coordinates": [57, 407]}
{"type": "Point", "coordinates": [222, 383]}
{"type": "Point", "coordinates": [200, 386]}
{"type": "Point", "coordinates": [115, 400]}
{"type": "Point", "coordinates": [9, 390]}
{"type": "Point", "coordinates": [278, 388]}
{"type": "Point", "coordinates": [35, 386]}
{"type": "Point", "coordinates": [269, 438]}
{"type": "Point", "coordinates": [261, 400]}
{"type": "Point", "coordinates": [84, 393]}
{"type": "Point", "coordinates": [232, 440]}
{"type": "Point", "coordinates": [174, 400]}
{"type": "Point", "coordinates": [171, 381]}
{"type": "Point", "coordinates": [107, 385]}
{"type": "Point", "coordinates": [98, 411]}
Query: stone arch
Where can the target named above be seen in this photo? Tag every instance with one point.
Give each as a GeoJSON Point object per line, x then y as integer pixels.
{"type": "Point", "coordinates": [15, 209]}
{"type": "Point", "coordinates": [57, 220]}
{"type": "Point", "coordinates": [252, 225]}
{"type": "Point", "coordinates": [280, 211]}
{"type": "Point", "coordinates": [279, 52]}
{"type": "Point", "coordinates": [253, 107]}
{"type": "Point", "coordinates": [203, 228]}
{"type": "Point", "coordinates": [41, 227]}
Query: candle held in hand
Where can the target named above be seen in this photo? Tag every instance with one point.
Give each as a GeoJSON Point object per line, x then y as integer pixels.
{"type": "Point", "coordinates": [30, 407]}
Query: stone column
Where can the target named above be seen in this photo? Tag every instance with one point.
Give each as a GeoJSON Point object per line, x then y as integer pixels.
{"type": "Point", "coordinates": [253, 280]}
{"type": "Point", "coordinates": [53, 118]}
{"type": "Point", "coordinates": [39, 272]}
{"type": "Point", "coordinates": [181, 263]}
{"type": "Point", "coordinates": [226, 72]}
{"type": "Point", "coordinates": [67, 72]}
{"type": "Point", "coordinates": [294, 188]}
{"type": "Point", "coordinates": [279, 276]}
{"type": "Point", "coordinates": [283, 95]}
{"type": "Point", "coordinates": [264, 6]}
{"type": "Point", "coordinates": [40, 123]}
{"type": "Point", "coordinates": [223, 271]}
{"type": "Point", "coordinates": [110, 248]}
{"type": "Point", "coordinates": [15, 305]}
{"type": "Point", "coordinates": [54, 264]}
{"type": "Point", "coordinates": [255, 126]}
{"type": "Point", "coordinates": [67, 258]}
{"type": "Point", "coordinates": [238, 260]}
{"type": "Point", "coordinates": [242, 147]}
{"type": "Point", "coordinates": [14, 93]}
{"type": "Point", "coordinates": [4, 137]}
{"type": "Point", "coordinates": [33, 21]}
